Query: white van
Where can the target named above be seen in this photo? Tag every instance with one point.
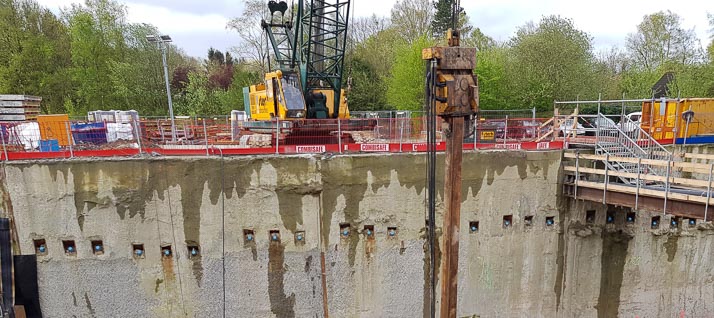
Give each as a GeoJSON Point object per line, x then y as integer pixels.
{"type": "Point", "coordinates": [633, 122]}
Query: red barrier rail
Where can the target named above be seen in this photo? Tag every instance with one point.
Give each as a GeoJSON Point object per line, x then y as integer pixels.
{"type": "Point", "coordinates": [196, 137]}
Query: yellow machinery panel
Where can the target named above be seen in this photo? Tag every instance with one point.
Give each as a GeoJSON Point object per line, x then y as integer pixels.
{"type": "Point", "coordinates": [664, 120]}
{"type": "Point", "coordinates": [55, 127]}
{"type": "Point", "coordinates": [263, 103]}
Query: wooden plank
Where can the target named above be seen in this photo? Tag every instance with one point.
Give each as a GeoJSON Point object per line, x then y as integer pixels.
{"type": "Point", "coordinates": [646, 192]}
{"type": "Point", "coordinates": [699, 156]}
{"type": "Point", "coordinates": [644, 203]}
{"type": "Point", "coordinates": [683, 166]}
{"type": "Point", "coordinates": [452, 217]}
{"type": "Point", "coordinates": [682, 181]}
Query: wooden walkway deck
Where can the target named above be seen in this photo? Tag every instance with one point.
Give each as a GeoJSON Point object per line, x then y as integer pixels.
{"type": "Point", "coordinates": [685, 191]}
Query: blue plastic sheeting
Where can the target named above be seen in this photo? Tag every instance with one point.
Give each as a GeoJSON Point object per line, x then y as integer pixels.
{"type": "Point", "coordinates": [92, 133]}
{"type": "Point", "coordinates": [703, 139]}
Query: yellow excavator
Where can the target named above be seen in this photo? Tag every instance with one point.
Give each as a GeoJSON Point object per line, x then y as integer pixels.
{"type": "Point", "coordinates": [308, 47]}
{"type": "Point", "coordinates": [280, 97]}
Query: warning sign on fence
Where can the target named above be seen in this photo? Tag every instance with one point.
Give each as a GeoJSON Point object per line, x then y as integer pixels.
{"type": "Point", "coordinates": [543, 145]}
{"type": "Point", "coordinates": [374, 147]}
{"type": "Point", "coordinates": [310, 149]}
{"type": "Point", "coordinates": [487, 135]}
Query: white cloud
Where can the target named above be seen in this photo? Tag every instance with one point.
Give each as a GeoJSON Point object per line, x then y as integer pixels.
{"type": "Point", "coordinates": [171, 21]}
{"type": "Point", "coordinates": [607, 21]}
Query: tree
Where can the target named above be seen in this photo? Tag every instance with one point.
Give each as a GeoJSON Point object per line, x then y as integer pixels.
{"type": "Point", "coordinates": [97, 40]}
{"type": "Point", "coordinates": [480, 41]}
{"type": "Point", "coordinates": [406, 84]}
{"type": "Point", "coordinates": [34, 54]}
{"type": "Point", "coordinates": [412, 18]}
{"type": "Point", "coordinates": [253, 47]}
{"type": "Point", "coordinates": [659, 39]}
{"type": "Point", "coordinates": [711, 37]}
{"type": "Point", "coordinates": [552, 60]}
{"type": "Point", "coordinates": [491, 71]}
{"type": "Point", "coordinates": [367, 88]}
{"type": "Point", "coordinates": [443, 19]}
{"type": "Point", "coordinates": [362, 28]}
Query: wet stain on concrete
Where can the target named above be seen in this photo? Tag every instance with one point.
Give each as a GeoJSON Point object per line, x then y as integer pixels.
{"type": "Point", "coordinates": [89, 305]}
{"type": "Point", "coordinates": [560, 272]}
{"type": "Point", "coordinates": [308, 263]}
{"type": "Point", "coordinates": [476, 167]}
{"type": "Point", "coordinates": [295, 179]}
{"type": "Point", "coordinates": [562, 251]}
{"type": "Point", "coordinates": [671, 247]}
{"type": "Point", "coordinates": [612, 266]}
{"type": "Point", "coordinates": [347, 176]}
{"type": "Point", "coordinates": [280, 304]}
{"type": "Point", "coordinates": [167, 264]}
{"type": "Point", "coordinates": [136, 182]}
{"type": "Point", "coordinates": [158, 283]}
{"type": "Point", "coordinates": [197, 269]}
{"type": "Point", "coordinates": [427, 269]}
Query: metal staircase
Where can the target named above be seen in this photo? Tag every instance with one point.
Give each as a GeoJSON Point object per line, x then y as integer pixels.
{"type": "Point", "coordinates": [628, 140]}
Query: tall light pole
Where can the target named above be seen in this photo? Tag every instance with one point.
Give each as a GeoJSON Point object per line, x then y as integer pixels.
{"type": "Point", "coordinates": [162, 40]}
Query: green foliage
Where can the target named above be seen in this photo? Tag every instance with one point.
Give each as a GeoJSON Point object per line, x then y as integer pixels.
{"type": "Point", "coordinates": [550, 61]}
{"type": "Point", "coordinates": [368, 89]}
{"type": "Point", "coordinates": [89, 59]}
{"type": "Point", "coordinates": [405, 86]}
{"type": "Point", "coordinates": [492, 80]}
{"type": "Point", "coordinates": [660, 38]}
{"type": "Point", "coordinates": [442, 17]}
{"type": "Point", "coordinates": [34, 54]}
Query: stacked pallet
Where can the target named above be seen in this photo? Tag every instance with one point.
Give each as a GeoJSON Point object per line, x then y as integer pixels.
{"type": "Point", "coordinates": [19, 107]}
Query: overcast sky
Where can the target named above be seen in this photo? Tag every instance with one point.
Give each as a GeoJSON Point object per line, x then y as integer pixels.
{"type": "Point", "coordinates": [196, 25]}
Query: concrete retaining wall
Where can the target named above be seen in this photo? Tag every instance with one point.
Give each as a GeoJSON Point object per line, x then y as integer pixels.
{"type": "Point", "coordinates": [565, 269]}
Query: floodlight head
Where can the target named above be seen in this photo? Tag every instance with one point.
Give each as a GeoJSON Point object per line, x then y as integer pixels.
{"type": "Point", "coordinates": [151, 38]}
{"type": "Point", "coordinates": [165, 38]}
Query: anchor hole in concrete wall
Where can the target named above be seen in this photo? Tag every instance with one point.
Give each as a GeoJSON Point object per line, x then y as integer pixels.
{"type": "Point", "coordinates": [40, 246]}
{"type": "Point", "coordinates": [166, 250]}
{"type": "Point", "coordinates": [368, 231]}
{"type": "Point", "coordinates": [528, 220]}
{"type": "Point", "coordinates": [300, 237]}
{"type": "Point", "coordinates": [344, 230]}
{"type": "Point", "coordinates": [507, 221]}
{"type": "Point", "coordinates": [248, 236]}
{"type": "Point", "coordinates": [473, 227]}
{"type": "Point", "coordinates": [392, 232]}
{"type": "Point", "coordinates": [69, 247]}
{"type": "Point", "coordinates": [674, 222]}
{"type": "Point", "coordinates": [654, 223]}
{"type": "Point", "coordinates": [97, 247]}
{"type": "Point", "coordinates": [692, 222]}
{"type": "Point", "coordinates": [137, 250]}
{"type": "Point", "coordinates": [549, 220]}
{"type": "Point", "coordinates": [631, 216]}
{"type": "Point", "coordinates": [590, 216]}
{"type": "Point", "coordinates": [193, 250]}
{"type": "Point", "coordinates": [274, 236]}
{"type": "Point", "coordinates": [610, 217]}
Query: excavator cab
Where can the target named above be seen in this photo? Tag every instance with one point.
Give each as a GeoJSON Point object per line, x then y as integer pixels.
{"type": "Point", "coordinates": [279, 96]}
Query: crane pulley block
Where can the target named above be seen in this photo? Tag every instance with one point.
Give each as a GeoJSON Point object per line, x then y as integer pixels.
{"type": "Point", "coordinates": [456, 90]}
